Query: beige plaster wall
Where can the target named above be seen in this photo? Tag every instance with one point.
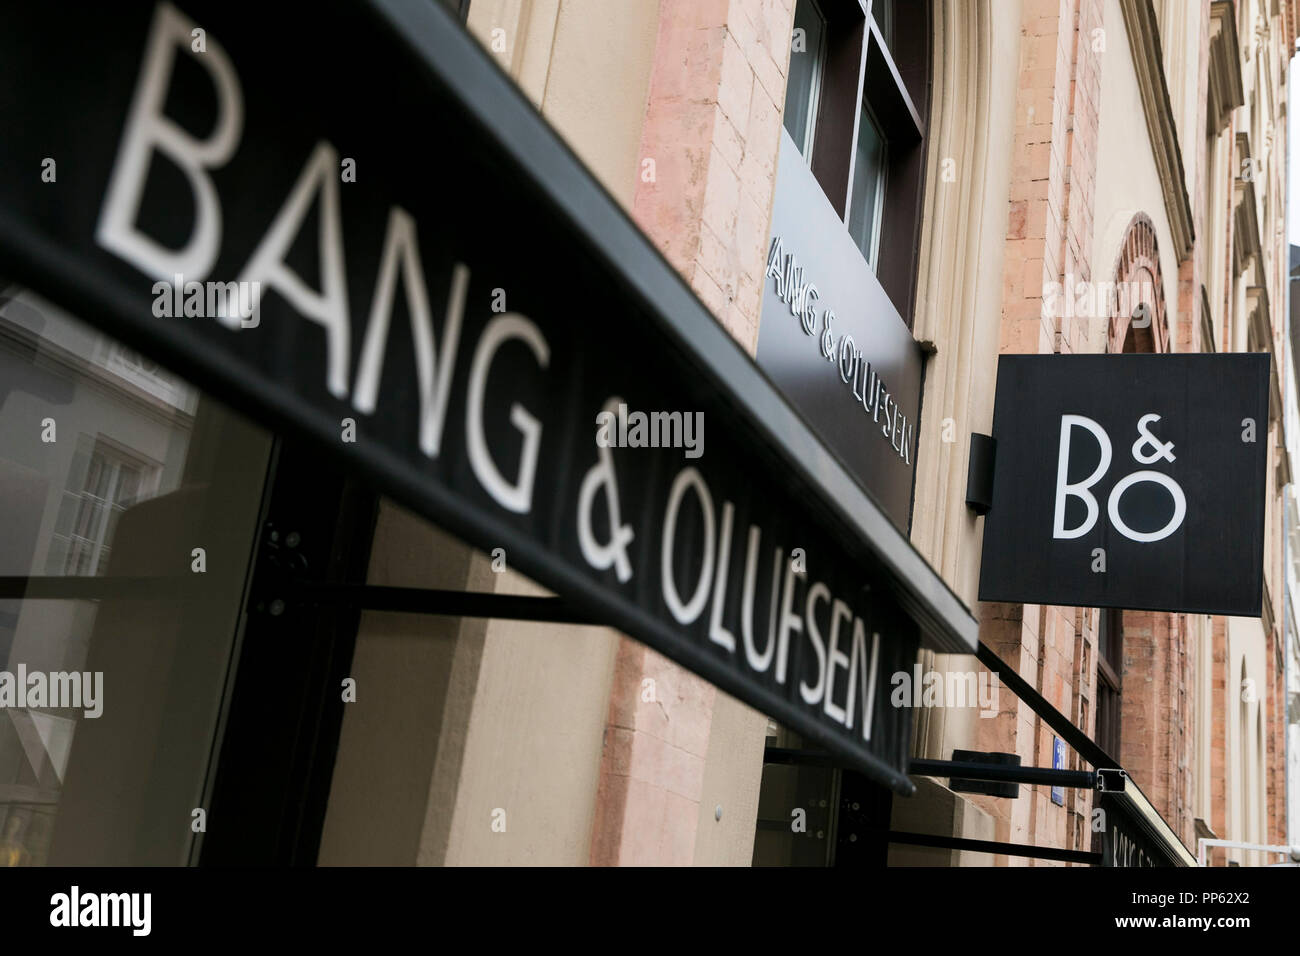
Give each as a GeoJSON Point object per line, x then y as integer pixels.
{"type": "Point", "coordinates": [733, 770]}
{"type": "Point", "coordinates": [416, 676]}
{"type": "Point", "coordinates": [959, 286]}
{"type": "Point", "coordinates": [1247, 808]}
{"type": "Point", "coordinates": [586, 64]}
{"type": "Point", "coordinates": [959, 305]}
{"type": "Point", "coordinates": [532, 745]}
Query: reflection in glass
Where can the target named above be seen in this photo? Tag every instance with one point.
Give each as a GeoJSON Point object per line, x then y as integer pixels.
{"type": "Point", "coordinates": [868, 186]}
{"type": "Point", "coordinates": [111, 467]}
{"type": "Point", "coordinates": [807, 48]}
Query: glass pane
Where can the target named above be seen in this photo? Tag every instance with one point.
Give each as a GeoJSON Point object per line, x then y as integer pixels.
{"type": "Point", "coordinates": [111, 466]}
{"type": "Point", "coordinates": [805, 74]}
{"type": "Point", "coordinates": [882, 11]}
{"type": "Point", "coordinates": [128, 488]}
{"type": "Point", "coordinates": [868, 186]}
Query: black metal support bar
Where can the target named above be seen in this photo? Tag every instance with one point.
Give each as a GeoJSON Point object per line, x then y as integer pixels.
{"type": "Point", "coordinates": [792, 755]}
{"type": "Point", "coordinates": [979, 473]}
{"type": "Point", "coordinates": [966, 770]}
{"type": "Point", "coordinates": [86, 588]}
{"type": "Point", "coordinates": [369, 597]}
{"type": "Point", "coordinates": [989, 846]}
{"type": "Point", "coordinates": [366, 597]}
{"type": "Point", "coordinates": [1083, 745]}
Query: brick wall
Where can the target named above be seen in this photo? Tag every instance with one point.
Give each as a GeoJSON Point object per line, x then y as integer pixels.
{"type": "Point", "coordinates": [704, 196]}
{"type": "Point", "coordinates": [712, 130]}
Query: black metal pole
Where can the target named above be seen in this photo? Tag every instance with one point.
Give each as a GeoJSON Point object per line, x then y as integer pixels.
{"type": "Point", "coordinates": [999, 773]}
{"type": "Point", "coordinates": [1083, 745]}
{"type": "Point", "coordinates": [87, 588]}
{"type": "Point", "coordinates": [989, 846]}
{"type": "Point", "coordinates": [365, 597]}
{"type": "Point", "coordinates": [370, 597]}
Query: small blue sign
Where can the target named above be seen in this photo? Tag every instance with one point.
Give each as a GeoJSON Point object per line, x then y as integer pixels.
{"type": "Point", "coordinates": [1058, 763]}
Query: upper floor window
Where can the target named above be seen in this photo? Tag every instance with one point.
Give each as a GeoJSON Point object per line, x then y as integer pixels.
{"type": "Point", "coordinates": [866, 198]}
{"type": "Point", "coordinates": [105, 481]}
{"type": "Point", "coordinates": [856, 99]}
{"type": "Point", "coordinates": [807, 55]}
{"type": "Point", "coordinates": [882, 14]}
{"type": "Point", "coordinates": [1110, 683]}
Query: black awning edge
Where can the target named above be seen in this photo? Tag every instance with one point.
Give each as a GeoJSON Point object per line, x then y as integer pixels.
{"type": "Point", "coordinates": [1121, 786]}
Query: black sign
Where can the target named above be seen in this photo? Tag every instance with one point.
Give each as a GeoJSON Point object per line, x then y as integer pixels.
{"type": "Point", "coordinates": [1131, 481]}
{"type": "Point", "coordinates": [1122, 842]}
{"type": "Point", "coordinates": [406, 267]}
{"type": "Point", "coordinates": [1127, 829]}
{"type": "Point", "coordinates": [834, 343]}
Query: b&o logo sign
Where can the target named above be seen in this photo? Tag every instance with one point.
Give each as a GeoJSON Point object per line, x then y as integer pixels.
{"type": "Point", "coordinates": [1133, 481]}
{"type": "Point", "coordinates": [1158, 451]}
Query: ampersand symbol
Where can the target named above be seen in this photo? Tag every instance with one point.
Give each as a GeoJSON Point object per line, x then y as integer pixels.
{"type": "Point", "coordinates": [828, 341]}
{"type": "Point", "coordinates": [1158, 448]}
{"type": "Point", "coordinates": [601, 476]}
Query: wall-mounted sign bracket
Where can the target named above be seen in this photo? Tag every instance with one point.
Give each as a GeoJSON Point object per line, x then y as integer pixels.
{"type": "Point", "coordinates": [979, 473]}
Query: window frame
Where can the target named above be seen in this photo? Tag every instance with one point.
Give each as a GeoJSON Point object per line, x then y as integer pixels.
{"type": "Point", "coordinates": [858, 69]}
{"type": "Point", "coordinates": [872, 255]}
{"type": "Point", "coordinates": [807, 141]}
{"type": "Point", "coordinates": [1110, 683]}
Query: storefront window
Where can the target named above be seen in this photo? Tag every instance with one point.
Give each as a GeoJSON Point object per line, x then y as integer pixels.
{"type": "Point", "coordinates": [129, 503]}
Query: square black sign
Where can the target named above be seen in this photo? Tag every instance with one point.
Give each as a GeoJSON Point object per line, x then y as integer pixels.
{"type": "Point", "coordinates": [1129, 481]}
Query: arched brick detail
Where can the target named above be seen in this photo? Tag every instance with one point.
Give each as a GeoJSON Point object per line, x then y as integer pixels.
{"type": "Point", "coordinates": [1139, 291]}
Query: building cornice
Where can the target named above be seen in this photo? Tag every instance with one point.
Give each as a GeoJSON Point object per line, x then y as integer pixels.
{"type": "Point", "coordinates": [1246, 242]}
{"type": "Point", "coordinates": [1284, 473]}
{"type": "Point", "coordinates": [1148, 64]}
{"type": "Point", "coordinates": [1260, 317]}
{"type": "Point", "coordinates": [1260, 323]}
{"type": "Point", "coordinates": [1225, 91]}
